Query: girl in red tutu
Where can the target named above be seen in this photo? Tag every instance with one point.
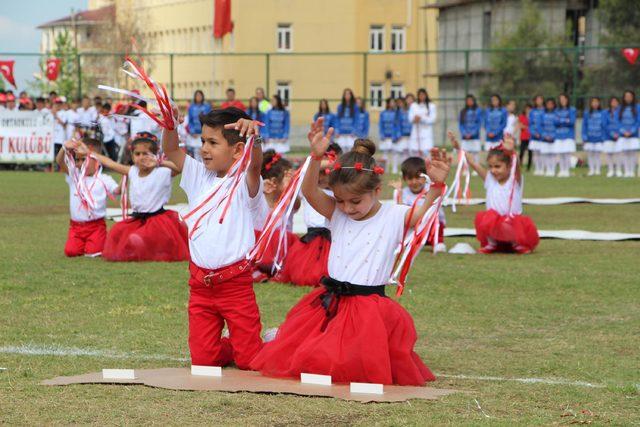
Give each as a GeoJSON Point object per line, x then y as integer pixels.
{"type": "Point", "coordinates": [306, 261]}
{"type": "Point", "coordinates": [150, 233]}
{"type": "Point", "coordinates": [276, 174]}
{"type": "Point", "coordinates": [502, 227]}
{"type": "Point", "coordinates": [348, 328]}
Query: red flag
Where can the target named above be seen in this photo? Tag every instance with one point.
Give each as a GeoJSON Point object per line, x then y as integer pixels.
{"type": "Point", "coordinates": [222, 23]}
{"type": "Point", "coordinates": [53, 68]}
{"type": "Point", "coordinates": [631, 54]}
{"type": "Point", "coordinates": [6, 69]}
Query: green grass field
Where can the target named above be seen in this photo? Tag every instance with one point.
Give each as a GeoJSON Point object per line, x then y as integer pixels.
{"type": "Point", "coordinates": [569, 313]}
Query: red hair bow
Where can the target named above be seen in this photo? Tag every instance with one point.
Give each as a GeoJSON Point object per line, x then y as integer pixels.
{"type": "Point", "coordinates": [358, 166]}
{"type": "Point", "coordinates": [273, 161]}
{"type": "Point", "coordinates": [337, 166]}
{"type": "Point", "coordinates": [331, 156]}
{"type": "Point", "coordinates": [378, 170]}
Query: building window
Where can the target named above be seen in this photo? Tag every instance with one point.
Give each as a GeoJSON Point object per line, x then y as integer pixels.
{"type": "Point", "coordinates": [486, 30]}
{"type": "Point", "coordinates": [376, 95]}
{"type": "Point", "coordinates": [398, 39]}
{"type": "Point", "coordinates": [397, 90]}
{"type": "Point", "coordinates": [376, 38]}
{"type": "Point", "coordinates": [284, 91]}
{"type": "Point", "coordinates": [283, 36]}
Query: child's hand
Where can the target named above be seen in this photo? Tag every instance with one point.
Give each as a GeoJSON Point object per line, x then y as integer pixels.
{"type": "Point", "coordinates": [416, 119]}
{"type": "Point", "coordinates": [319, 141]}
{"type": "Point", "coordinates": [269, 186]}
{"type": "Point", "coordinates": [246, 127]}
{"type": "Point", "coordinates": [72, 144]}
{"type": "Point", "coordinates": [509, 142]}
{"type": "Point", "coordinates": [438, 167]}
{"type": "Point", "coordinates": [149, 161]}
{"type": "Point", "coordinates": [454, 141]}
{"type": "Point", "coordinates": [396, 184]}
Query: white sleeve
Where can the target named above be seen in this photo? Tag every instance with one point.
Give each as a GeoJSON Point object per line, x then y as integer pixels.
{"type": "Point", "coordinates": [431, 114]}
{"type": "Point", "coordinates": [192, 173]}
{"type": "Point", "coordinates": [109, 183]}
{"type": "Point", "coordinates": [255, 200]}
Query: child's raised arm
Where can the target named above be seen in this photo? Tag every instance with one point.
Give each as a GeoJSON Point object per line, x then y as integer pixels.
{"type": "Point", "coordinates": [169, 164]}
{"type": "Point", "coordinates": [317, 198]}
{"type": "Point", "coordinates": [171, 144]}
{"type": "Point", "coordinates": [248, 128]}
{"type": "Point", "coordinates": [69, 145]}
{"type": "Point", "coordinates": [104, 160]}
{"type": "Point", "coordinates": [437, 170]}
{"type": "Point", "coordinates": [481, 171]}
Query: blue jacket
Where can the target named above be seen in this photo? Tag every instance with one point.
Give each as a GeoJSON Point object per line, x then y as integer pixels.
{"type": "Point", "coordinates": [329, 120]}
{"type": "Point", "coordinates": [566, 123]}
{"type": "Point", "coordinates": [611, 124]}
{"type": "Point", "coordinates": [593, 129]}
{"type": "Point", "coordinates": [362, 124]}
{"type": "Point", "coordinates": [548, 126]}
{"type": "Point", "coordinates": [403, 125]}
{"type": "Point", "coordinates": [256, 115]}
{"type": "Point", "coordinates": [495, 120]}
{"type": "Point", "coordinates": [628, 120]}
{"type": "Point", "coordinates": [194, 112]}
{"type": "Point", "coordinates": [346, 125]}
{"type": "Point", "coordinates": [277, 124]}
{"type": "Point", "coordinates": [535, 117]}
{"type": "Point", "coordinates": [472, 123]}
{"type": "Point", "coordinates": [387, 124]}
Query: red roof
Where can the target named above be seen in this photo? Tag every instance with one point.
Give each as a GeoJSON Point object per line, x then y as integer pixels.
{"type": "Point", "coordinates": [86, 17]}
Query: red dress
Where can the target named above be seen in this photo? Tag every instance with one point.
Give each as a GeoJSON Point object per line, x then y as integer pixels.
{"type": "Point", "coordinates": [306, 261]}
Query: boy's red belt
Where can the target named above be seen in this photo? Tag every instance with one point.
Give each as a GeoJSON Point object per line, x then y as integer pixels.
{"type": "Point", "coordinates": [218, 275]}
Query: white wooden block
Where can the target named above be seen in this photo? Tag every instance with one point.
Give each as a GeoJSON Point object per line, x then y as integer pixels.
{"type": "Point", "coordinates": [367, 388]}
{"type": "Point", "coordinates": [315, 379]}
{"type": "Point", "coordinates": [118, 374]}
{"type": "Point", "coordinates": [206, 371]}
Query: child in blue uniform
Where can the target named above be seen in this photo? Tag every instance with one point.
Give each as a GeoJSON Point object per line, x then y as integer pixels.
{"type": "Point", "coordinates": [254, 110]}
{"type": "Point", "coordinates": [387, 128]}
{"type": "Point", "coordinates": [534, 129]}
{"type": "Point", "coordinates": [403, 132]}
{"type": "Point", "coordinates": [362, 120]}
{"type": "Point", "coordinates": [628, 141]}
{"type": "Point", "coordinates": [495, 120]}
{"type": "Point", "coordinates": [345, 122]}
{"type": "Point", "coordinates": [325, 111]}
{"type": "Point", "coordinates": [277, 126]}
{"type": "Point", "coordinates": [547, 131]}
{"type": "Point", "coordinates": [610, 145]}
{"type": "Point", "coordinates": [593, 135]}
{"type": "Point", "coordinates": [565, 143]}
{"type": "Point", "coordinates": [470, 123]}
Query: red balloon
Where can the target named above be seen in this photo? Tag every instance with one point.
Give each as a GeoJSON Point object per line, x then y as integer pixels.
{"type": "Point", "coordinates": [631, 54]}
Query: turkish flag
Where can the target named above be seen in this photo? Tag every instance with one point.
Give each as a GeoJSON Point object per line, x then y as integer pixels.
{"type": "Point", "coordinates": [6, 69]}
{"type": "Point", "coordinates": [222, 18]}
{"type": "Point", "coordinates": [53, 68]}
{"type": "Point", "coordinates": [631, 54]}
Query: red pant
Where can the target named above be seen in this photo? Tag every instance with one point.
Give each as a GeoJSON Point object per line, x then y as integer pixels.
{"type": "Point", "coordinates": [85, 237]}
{"type": "Point", "coordinates": [232, 301]}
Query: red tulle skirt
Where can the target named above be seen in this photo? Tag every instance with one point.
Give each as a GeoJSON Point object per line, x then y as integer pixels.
{"type": "Point", "coordinates": [263, 271]}
{"type": "Point", "coordinates": [161, 237]}
{"type": "Point", "coordinates": [370, 339]}
{"type": "Point", "coordinates": [509, 233]}
{"type": "Point", "coordinates": [306, 261]}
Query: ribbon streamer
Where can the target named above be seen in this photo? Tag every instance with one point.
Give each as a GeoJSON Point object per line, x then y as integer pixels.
{"type": "Point", "coordinates": [455, 190]}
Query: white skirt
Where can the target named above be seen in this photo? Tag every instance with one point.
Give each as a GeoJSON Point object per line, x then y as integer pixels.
{"type": "Point", "coordinates": [545, 147]}
{"type": "Point", "coordinates": [490, 145]}
{"type": "Point", "coordinates": [610, 147]}
{"type": "Point", "coordinates": [628, 144]}
{"type": "Point", "coordinates": [345, 142]}
{"type": "Point", "coordinates": [534, 145]}
{"type": "Point", "coordinates": [564, 146]}
{"type": "Point", "coordinates": [421, 138]}
{"type": "Point", "coordinates": [279, 145]}
{"type": "Point", "coordinates": [401, 145]}
{"type": "Point", "coordinates": [593, 146]}
{"type": "Point", "coordinates": [386, 144]}
{"type": "Point", "coordinates": [471, 145]}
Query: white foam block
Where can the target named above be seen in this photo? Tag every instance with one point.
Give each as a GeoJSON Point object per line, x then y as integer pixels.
{"type": "Point", "coordinates": [206, 371]}
{"type": "Point", "coordinates": [118, 374]}
{"type": "Point", "coordinates": [315, 379]}
{"type": "Point", "coordinates": [367, 388]}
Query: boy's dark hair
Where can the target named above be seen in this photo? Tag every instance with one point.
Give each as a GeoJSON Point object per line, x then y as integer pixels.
{"type": "Point", "coordinates": [335, 147]}
{"type": "Point", "coordinates": [106, 106]}
{"type": "Point", "coordinates": [358, 182]}
{"type": "Point", "coordinates": [231, 90]}
{"type": "Point", "coordinates": [274, 165]}
{"type": "Point", "coordinates": [412, 167]}
{"type": "Point", "coordinates": [39, 99]}
{"type": "Point", "coordinates": [92, 142]}
{"type": "Point", "coordinates": [145, 138]}
{"type": "Point", "coordinates": [223, 116]}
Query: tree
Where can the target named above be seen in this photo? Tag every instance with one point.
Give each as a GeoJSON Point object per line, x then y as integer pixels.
{"type": "Point", "coordinates": [521, 73]}
{"type": "Point", "coordinates": [67, 82]}
{"type": "Point", "coordinates": [612, 73]}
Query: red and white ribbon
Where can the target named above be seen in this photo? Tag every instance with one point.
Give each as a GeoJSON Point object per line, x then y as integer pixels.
{"type": "Point", "coordinates": [124, 196]}
{"type": "Point", "coordinates": [513, 178]}
{"type": "Point", "coordinates": [82, 188]}
{"type": "Point", "coordinates": [277, 220]}
{"type": "Point", "coordinates": [413, 241]}
{"type": "Point", "coordinates": [455, 190]}
{"type": "Point", "coordinates": [222, 192]}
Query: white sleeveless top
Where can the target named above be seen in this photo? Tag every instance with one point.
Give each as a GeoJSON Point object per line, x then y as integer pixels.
{"type": "Point", "coordinates": [149, 193]}
{"type": "Point", "coordinates": [362, 252]}
{"type": "Point", "coordinates": [498, 195]}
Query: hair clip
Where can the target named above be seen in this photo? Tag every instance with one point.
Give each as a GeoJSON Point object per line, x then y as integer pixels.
{"type": "Point", "coordinates": [378, 170]}
{"type": "Point", "coordinates": [273, 161]}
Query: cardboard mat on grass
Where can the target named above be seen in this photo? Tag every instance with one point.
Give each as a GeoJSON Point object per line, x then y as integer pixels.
{"type": "Point", "coordinates": [235, 380]}
{"type": "Point", "coordinates": [556, 234]}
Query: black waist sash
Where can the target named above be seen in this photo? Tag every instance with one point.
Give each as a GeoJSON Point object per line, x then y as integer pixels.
{"type": "Point", "coordinates": [143, 216]}
{"type": "Point", "coordinates": [335, 289]}
{"type": "Point", "coordinates": [313, 232]}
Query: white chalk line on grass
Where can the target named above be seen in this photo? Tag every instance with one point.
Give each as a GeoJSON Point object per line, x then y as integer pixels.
{"type": "Point", "coordinates": [53, 350]}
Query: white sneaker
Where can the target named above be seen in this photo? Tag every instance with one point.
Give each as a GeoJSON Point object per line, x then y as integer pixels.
{"type": "Point", "coordinates": [610, 174]}
{"type": "Point", "coordinates": [270, 334]}
{"type": "Point", "coordinates": [591, 173]}
{"type": "Point", "coordinates": [537, 173]}
{"type": "Point", "coordinates": [97, 254]}
{"type": "Point", "coordinates": [619, 174]}
{"type": "Point", "coordinates": [550, 173]}
{"type": "Point", "coordinates": [441, 247]}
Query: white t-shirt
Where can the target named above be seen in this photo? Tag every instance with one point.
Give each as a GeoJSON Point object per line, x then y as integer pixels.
{"type": "Point", "coordinates": [362, 252]}
{"type": "Point", "coordinates": [510, 128]}
{"type": "Point", "coordinates": [312, 218]}
{"type": "Point", "coordinates": [108, 128]}
{"type": "Point", "coordinates": [99, 187]}
{"type": "Point", "coordinates": [498, 195]}
{"type": "Point", "coordinates": [408, 197]}
{"type": "Point", "coordinates": [59, 129]}
{"type": "Point", "coordinates": [72, 121]}
{"type": "Point", "coordinates": [260, 211]}
{"type": "Point", "coordinates": [217, 245]}
{"type": "Point", "coordinates": [149, 193]}
{"type": "Point", "coordinates": [140, 122]}
{"type": "Point", "coordinates": [86, 117]}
